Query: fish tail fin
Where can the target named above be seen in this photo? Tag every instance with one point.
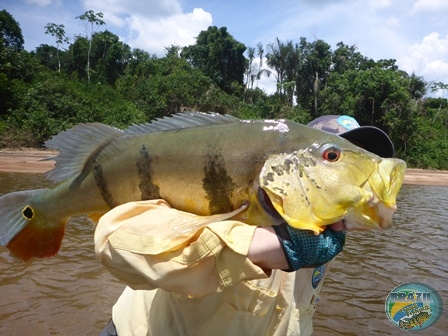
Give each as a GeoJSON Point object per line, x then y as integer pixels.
{"type": "Point", "coordinates": [26, 232]}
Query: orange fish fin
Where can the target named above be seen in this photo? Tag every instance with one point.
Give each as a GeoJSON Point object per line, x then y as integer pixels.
{"type": "Point", "coordinates": [96, 217]}
{"type": "Point", "coordinates": [24, 229]}
{"type": "Point", "coordinates": [37, 241]}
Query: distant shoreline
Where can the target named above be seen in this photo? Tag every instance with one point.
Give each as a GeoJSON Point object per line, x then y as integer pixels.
{"type": "Point", "coordinates": [29, 161]}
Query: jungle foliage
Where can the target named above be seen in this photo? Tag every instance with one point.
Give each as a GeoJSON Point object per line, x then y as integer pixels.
{"type": "Point", "coordinates": [95, 77]}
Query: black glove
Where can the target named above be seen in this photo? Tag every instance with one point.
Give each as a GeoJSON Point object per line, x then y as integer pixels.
{"type": "Point", "coordinates": [303, 248]}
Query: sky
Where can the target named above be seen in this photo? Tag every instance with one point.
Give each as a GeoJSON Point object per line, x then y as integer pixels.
{"type": "Point", "coordinates": [413, 32]}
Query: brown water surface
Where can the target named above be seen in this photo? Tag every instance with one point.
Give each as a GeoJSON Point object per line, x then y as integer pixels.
{"type": "Point", "coordinates": [69, 294]}
{"type": "Point", "coordinates": [373, 263]}
{"type": "Point", "coordinates": [72, 294]}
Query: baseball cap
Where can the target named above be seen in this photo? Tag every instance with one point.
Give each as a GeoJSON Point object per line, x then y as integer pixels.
{"type": "Point", "coordinates": [370, 138]}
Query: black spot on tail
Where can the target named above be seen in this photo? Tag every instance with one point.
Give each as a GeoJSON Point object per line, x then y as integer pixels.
{"type": "Point", "coordinates": [218, 185]}
{"type": "Point", "coordinates": [101, 183]}
{"type": "Point", "coordinates": [148, 189]}
{"type": "Point", "coordinates": [28, 213]}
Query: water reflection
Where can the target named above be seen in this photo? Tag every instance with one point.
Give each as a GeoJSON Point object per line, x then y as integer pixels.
{"type": "Point", "coordinates": [71, 294]}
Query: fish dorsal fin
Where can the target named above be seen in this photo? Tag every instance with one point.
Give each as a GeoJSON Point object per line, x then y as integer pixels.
{"type": "Point", "coordinates": [77, 146]}
{"type": "Point", "coordinates": [181, 120]}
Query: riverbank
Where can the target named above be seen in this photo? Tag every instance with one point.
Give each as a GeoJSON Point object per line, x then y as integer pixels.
{"type": "Point", "coordinates": [30, 161]}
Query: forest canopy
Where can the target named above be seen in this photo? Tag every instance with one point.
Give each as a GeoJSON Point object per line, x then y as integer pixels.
{"type": "Point", "coordinates": [95, 77]}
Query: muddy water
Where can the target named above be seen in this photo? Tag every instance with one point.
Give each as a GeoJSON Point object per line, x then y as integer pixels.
{"type": "Point", "coordinates": [374, 263]}
{"type": "Point", "coordinates": [71, 294]}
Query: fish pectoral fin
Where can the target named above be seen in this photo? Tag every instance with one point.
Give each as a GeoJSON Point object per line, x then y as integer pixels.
{"type": "Point", "coordinates": [194, 222]}
{"type": "Point", "coordinates": [26, 232]}
{"type": "Point", "coordinates": [303, 220]}
{"type": "Point", "coordinates": [187, 225]}
{"type": "Point", "coordinates": [95, 217]}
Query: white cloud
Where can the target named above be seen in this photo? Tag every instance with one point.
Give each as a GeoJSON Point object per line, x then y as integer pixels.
{"type": "Point", "coordinates": [41, 3]}
{"type": "Point", "coordinates": [152, 25]}
{"type": "Point", "coordinates": [325, 3]}
{"type": "Point", "coordinates": [179, 29]}
{"type": "Point", "coordinates": [429, 5]}
{"type": "Point", "coordinates": [145, 8]}
{"type": "Point", "coordinates": [268, 84]}
{"type": "Point", "coordinates": [380, 4]}
{"type": "Point", "coordinates": [428, 58]}
{"type": "Point", "coordinates": [393, 22]}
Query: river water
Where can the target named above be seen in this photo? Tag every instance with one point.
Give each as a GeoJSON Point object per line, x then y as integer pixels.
{"type": "Point", "coordinates": [72, 294]}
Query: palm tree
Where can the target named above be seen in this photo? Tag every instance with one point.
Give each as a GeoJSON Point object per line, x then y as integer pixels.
{"type": "Point", "coordinates": [251, 56]}
{"type": "Point", "coordinates": [284, 60]}
{"type": "Point", "coordinates": [260, 52]}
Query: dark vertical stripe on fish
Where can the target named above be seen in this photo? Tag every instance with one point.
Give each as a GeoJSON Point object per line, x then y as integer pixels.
{"type": "Point", "coordinates": [101, 183]}
{"type": "Point", "coordinates": [148, 189]}
{"type": "Point", "coordinates": [218, 185]}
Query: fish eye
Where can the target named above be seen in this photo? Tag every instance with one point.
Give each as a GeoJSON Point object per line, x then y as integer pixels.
{"type": "Point", "coordinates": [331, 153]}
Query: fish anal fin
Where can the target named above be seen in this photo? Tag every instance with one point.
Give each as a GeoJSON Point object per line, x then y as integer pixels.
{"type": "Point", "coordinates": [37, 241]}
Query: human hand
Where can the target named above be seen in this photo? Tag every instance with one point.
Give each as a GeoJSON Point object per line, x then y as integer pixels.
{"type": "Point", "coordinates": [302, 248]}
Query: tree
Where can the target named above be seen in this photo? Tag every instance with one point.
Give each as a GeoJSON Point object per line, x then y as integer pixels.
{"type": "Point", "coordinates": [314, 70]}
{"type": "Point", "coordinates": [249, 71]}
{"type": "Point", "coordinates": [276, 59]}
{"type": "Point", "coordinates": [46, 54]}
{"type": "Point", "coordinates": [346, 58]}
{"type": "Point", "coordinates": [78, 51]}
{"type": "Point", "coordinates": [162, 86]}
{"type": "Point", "coordinates": [17, 70]}
{"type": "Point", "coordinates": [378, 95]}
{"type": "Point", "coordinates": [284, 60]}
{"type": "Point", "coordinates": [10, 32]}
{"type": "Point", "coordinates": [417, 86]}
{"type": "Point", "coordinates": [109, 56]}
{"type": "Point", "coordinates": [260, 53]}
{"type": "Point", "coordinates": [90, 18]}
{"type": "Point", "coordinates": [140, 64]}
{"type": "Point", "coordinates": [220, 57]}
{"type": "Point", "coordinates": [58, 32]}
{"type": "Point", "coordinates": [56, 103]}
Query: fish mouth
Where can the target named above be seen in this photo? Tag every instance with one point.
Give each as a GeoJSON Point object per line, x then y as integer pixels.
{"type": "Point", "coordinates": [266, 204]}
{"type": "Point", "coordinates": [381, 219]}
{"type": "Point", "coordinates": [374, 213]}
{"type": "Point", "coordinates": [379, 194]}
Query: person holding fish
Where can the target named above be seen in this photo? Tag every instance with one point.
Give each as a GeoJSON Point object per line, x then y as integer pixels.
{"type": "Point", "coordinates": [225, 274]}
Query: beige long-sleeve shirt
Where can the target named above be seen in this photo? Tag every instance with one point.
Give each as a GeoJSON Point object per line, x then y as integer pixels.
{"type": "Point", "coordinates": [190, 275]}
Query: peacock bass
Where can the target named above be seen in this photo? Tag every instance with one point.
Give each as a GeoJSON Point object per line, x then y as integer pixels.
{"type": "Point", "coordinates": [205, 163]}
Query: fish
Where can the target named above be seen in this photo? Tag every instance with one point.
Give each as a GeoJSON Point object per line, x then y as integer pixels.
{"type": "Point", "coordinates": [262, 172]}
{"type": "Point", "coordinates": [414, 321]}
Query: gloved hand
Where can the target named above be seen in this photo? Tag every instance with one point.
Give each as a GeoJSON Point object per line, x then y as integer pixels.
{"type": "Point", "coordinates": [303, 248]}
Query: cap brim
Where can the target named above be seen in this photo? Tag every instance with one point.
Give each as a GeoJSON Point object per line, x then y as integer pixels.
{"type": "Point", "coordinates": [372, 139]}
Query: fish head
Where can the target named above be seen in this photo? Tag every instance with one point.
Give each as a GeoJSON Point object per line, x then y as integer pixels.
{"type": "Point", "coordinates": [423, 317]}
{"type": "Point", "coordinates": [332, 181]}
